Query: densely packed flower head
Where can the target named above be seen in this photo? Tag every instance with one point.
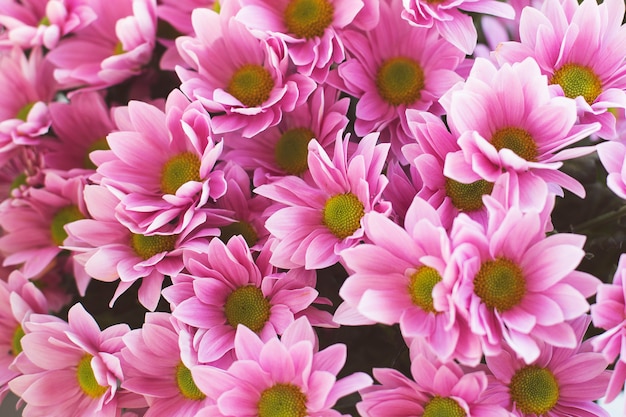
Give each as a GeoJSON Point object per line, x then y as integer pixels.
{"type": "Point", "coordinates": [312, 207]}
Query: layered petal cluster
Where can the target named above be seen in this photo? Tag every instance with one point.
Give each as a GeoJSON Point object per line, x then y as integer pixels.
{"type": "Point", "coordinates": [446, 18]}
{"type": "Point", "coordinates": [43, 23]}
{"type": "Point", "coordinates": [244, 80]}
{"type": "Point", "coordinates": [315, 221]}
{"type": "Point", "coordinates": [517, 286]}
{"type": "Point", "coordinates": [74, 367]}
{"type": "Point", "coordinates": [113, 48]}
{"type": "Point", "coordinates": [80, 127]}
{"type": "Point", "coordinates": [507, 120]}
{"type": "Point", "coordinates": [560, 382]}
{"type": "Point", "coordinates": [19, 298]}
{"type": "Point", "coordinates": [224, 287]}
{"type": "Point", "coordinates": [406, 276]}
{"type": "Point", "coordinates": [35, 226]}
{"type": "Point", "coordinates": [612, 154]}
{"type": "Point", "coordinates": [282, 149]}
{"type": "Point", "coordinates": [110, 251]}
{"type": "Point", "coordinates": [153, 367]}
{"type": "Point", "coordinates": [165, 191]}
{"type": "Point", "coordinates": [395, 67]}
{"type": "Point", "coordinates": [279, 377]}
{"type": "Point", "coordinates": [609, 313]}
{"type": "Point", "coordinates": [312, 34]}
{"type": "Point", "coordinates": [26, 88]}
{"type": "Point", "coordinates": [580, 48]}
{"type": "Point", "coordinates": [437, 389]}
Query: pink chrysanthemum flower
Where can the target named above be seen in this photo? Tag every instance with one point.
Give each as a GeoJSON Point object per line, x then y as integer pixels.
{"type": "Point", "coordinates": [516, 285]}
{"type": "Point", "coordinates": [26, 88]}
{"type": "Point", "coordinates": [446, 18]}
{"type": "Point", "coordinates": [395, 67]}
{"type": "Point", "coordinates": [245, 81]}
{"type": "Point", "coordinates": [18, 299]}
{"type": "Point", "coordinates": [74, 367]}
{"type": "Point", "coordinates": [224, 287]}
{"type": "Point", "coordinates": [109, 251]}
{"type": "Point", "coordinates": [404, 183]}
{"type": "Point", "coordinates": [162, 191]}
{"type": "Point", "coordinates": [609, 313]}
{"type": "Point", "coordinates": [42, 22]}
{"type": "Point", "coordinates": [503, 127]}
{"type": "Point", "coordinates": [248, 210]}
{"type": "Point", "coordinates": [113, 48]}
{"type": "Point", "coordinates": [311, 29]}
{"type": "Point", "coordinates": [34, 226]}
{"type": "Point", "coordinates": [580, 48]}
{"type": "Point", "coordinates": [152, 364]}
{"type": "Point", "coordinates": [413, 286]}
{"type": "Point", "coordinates": [560, 382]}
{"type": "Point", "coordinates": [317, 221]}
{"type": "Point", "coordinates": [282, 150]}
{"type": "Point", "coordinates": [80, 127]}
{"type": "Point", "coordinates": [438, 389]}
{"type": "Point", "coordinates": [286, 377]}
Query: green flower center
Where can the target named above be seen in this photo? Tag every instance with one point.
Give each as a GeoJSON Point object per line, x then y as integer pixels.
{"type": "Point", "coordinates": [516, 139]}
{"type": "Point", "coordinates": [282, 400]}
{"type": "Point", "coordinates": [87, 379]}
{"type": "Point", "coordinates": [251, 85]}
{"type": "Point", "coordinates": [19, 181]}
{"type": "Point", "coordinates": [186, 384]}
{"type": "Point", "coordinates": [22, 114]}
{"type": "Point", "coordinates": [577, 80]}
{"type": "Point", "coordinates": [16, 340]}
{"type": "Point", "coordinates": [342, 214]}
{"type": "Point", "coordinates": [178, 170]}
{"type": "Point", "coordinates": [308, 18]}
{"type": "Point", "coordinates": [534, 390]}
{"type": "Point", "coordinates": [247, 306]}
{"type": "Point", "coordinates": [64, 216]}
{"type": "Point", "coordinates": [443, 407]}
{"type": "Point", "coordinates": [148, 246]}
{"type": "Point", "coordinates": [97, 145]}
{"type": "Point", "coordinates": [118, 49]}
{"type": "Point", "coordinates": [400, 81]}
{"type": "Point", "coordinates": [291, 150]}
{"type": "Point", "coordinates": [244, 229]}
{"type": "Point", "coordinates": [467, 197]}
{"type": "Point", "coordinates": [500, 284]}
{"type": "Point", "coordinates": [421, 286]}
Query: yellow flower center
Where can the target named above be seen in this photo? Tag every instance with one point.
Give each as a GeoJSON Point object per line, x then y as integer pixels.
{"type": "Point", "coordinates": [291, 150]}
{"type": "Point", "coordinates": [147, 246]}
{"type": "Point", "coordinates": [118, 49]}
{"type": "Point", "coordinates": [186, 384]}
{"type": "Point", "coordinates": [251, 85]}
{"type": "Point", "coordinates": [244, 229]}
{"type": "Point", "coordinates": [22, 114]}
{"type": "Point", "coordinates": [178, 170]}
{"type": "Point", "coordinates": [87, 380]}
{"type": "Point", "coordinates": [443, 407]}
{"type": "Point", "coordinates": [467, 197]}
{"type": "Point", "coordinates": [516, 139]}
{"type": "Point", "coordinates": [342, 214]}
{"type": "Point", "coordinates": [247, 306]}
{"type": "Point", "coordinates": [534, 390]}
{"type": "Point", "coordinates": [400, 81]}
{"type": "Point", "coordinates": [97, 145]}
{"type": "Point", "coordinates": [282, 400]}
{"type": "Point", "coordinates": [308, 18]}
{"type": "Point", "coordinates": [62, 217]}
{"type": "Point", "coordinates": [578, 80]}
{"type": "Point", "coordinates": [421, 286]}
{"type": "Point", "coordinates": [500, 284]}
{"type": "Point", "coordinates": [16, 340]}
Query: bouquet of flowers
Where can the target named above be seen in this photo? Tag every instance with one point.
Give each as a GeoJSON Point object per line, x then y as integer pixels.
{"type": "Point", "coordinates": [290, 208]}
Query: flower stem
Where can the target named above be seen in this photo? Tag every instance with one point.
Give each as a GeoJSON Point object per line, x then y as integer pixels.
{"type": "Point", "coordinates": [603, 219]}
